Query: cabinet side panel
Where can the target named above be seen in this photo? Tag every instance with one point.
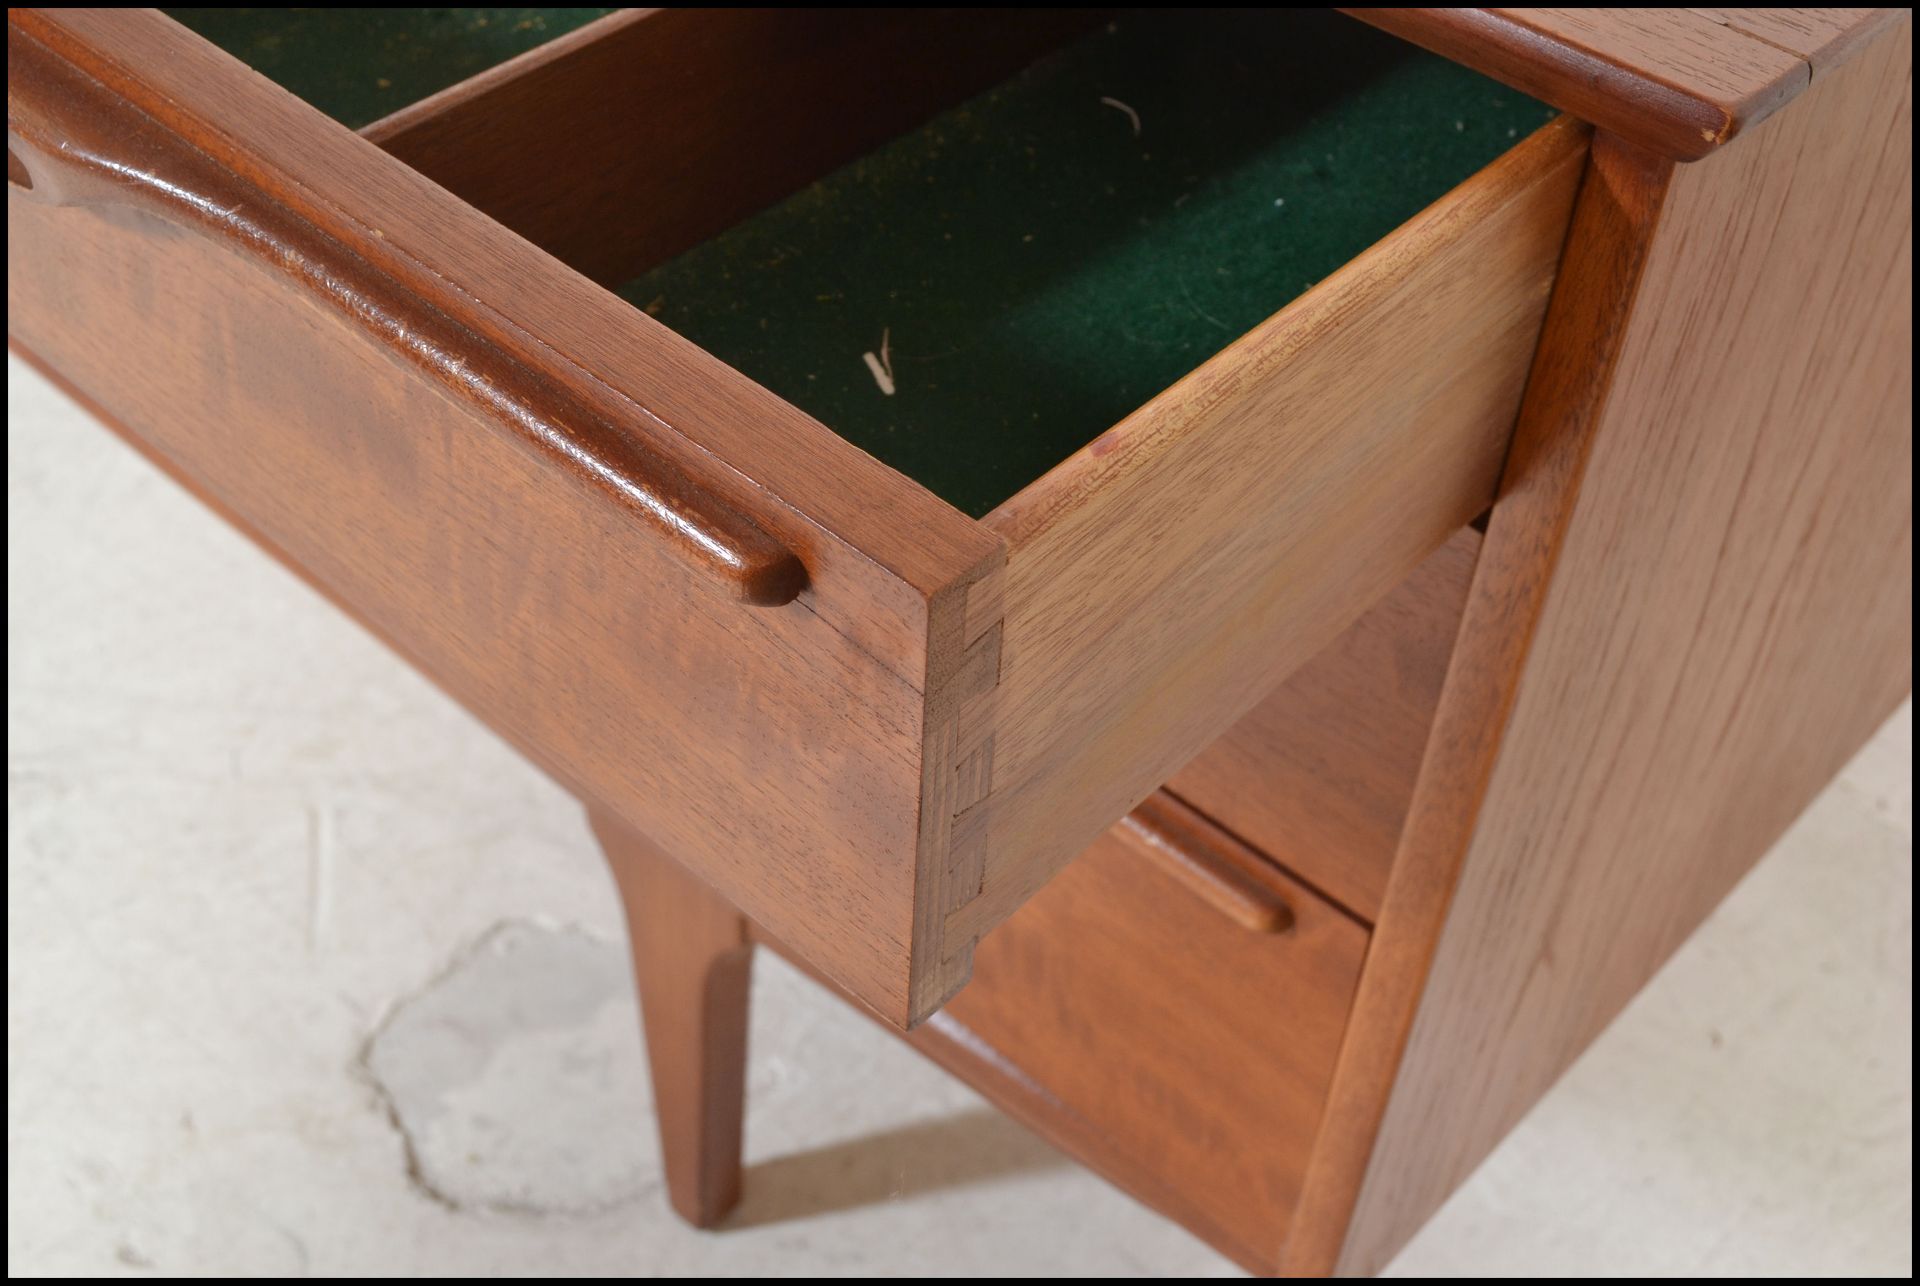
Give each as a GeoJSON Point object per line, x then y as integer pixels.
{"type": "Point", "coordinates": [1728, 616]}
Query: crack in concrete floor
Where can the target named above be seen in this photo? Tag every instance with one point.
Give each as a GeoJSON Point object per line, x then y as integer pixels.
{"type": "Point", "coordinates": [514, 1077]}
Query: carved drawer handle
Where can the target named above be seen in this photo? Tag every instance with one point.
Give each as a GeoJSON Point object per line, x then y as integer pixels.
{"type": "Point", "coordinates": [1213, 864]}
{"type": "Point", "coordinates": [74, 141]}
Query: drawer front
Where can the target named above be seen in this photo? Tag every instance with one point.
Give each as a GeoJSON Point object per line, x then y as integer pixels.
{"type": "Point", "coordinates": [1176, 1050]}
{"type": "Point", "coordinates": [551, 505]}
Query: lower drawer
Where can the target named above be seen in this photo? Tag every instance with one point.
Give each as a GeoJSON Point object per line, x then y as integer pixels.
{"type": "Point", "coordinates": [1172, 1048]}
{"type": "Point", "coordinates": [1170, 1008]}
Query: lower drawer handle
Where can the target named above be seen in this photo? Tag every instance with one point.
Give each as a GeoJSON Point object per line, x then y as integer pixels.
{"type": "Point", "coordinates": [1213, 864]}
{"type": "Point", "coordinates": [73, 141]}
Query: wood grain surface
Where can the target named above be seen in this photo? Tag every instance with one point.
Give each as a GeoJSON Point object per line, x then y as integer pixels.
{"type": "Point", "coordinates": [621, 144]}
{"type": "Point", "coordinates": [819, 495]}
{"type": "Point", "coordinates": [1165, 578]}
{"type": "Point", "coordinates": [332, 323]}
{"type": "Point", "coordinates": [1178, 1053]}
{"type": "Point", "coordinates": [1824, 37]}
{"type": "Point", "coordinates": [1319, 775]}
{"type": "Point", "coordinates": [1679, 82]}
{"type": "Point", "coordinates": [440, 424]}
{"type": "Point", "coordinates": [1711, 553]}
{"type": "Point", "coordinates": [693, 967]}
{"type": "Point", "coordinates": [1620, 202]}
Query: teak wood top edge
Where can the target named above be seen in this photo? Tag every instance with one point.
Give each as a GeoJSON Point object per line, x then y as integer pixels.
{"type": "Point", "coordinates": [1679, 82]}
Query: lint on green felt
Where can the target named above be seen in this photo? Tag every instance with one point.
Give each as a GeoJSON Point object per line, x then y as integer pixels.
{"type": "Point", "coordinates": [979, 298]}
{"type": "Point", "coordinates": [1051, 254]}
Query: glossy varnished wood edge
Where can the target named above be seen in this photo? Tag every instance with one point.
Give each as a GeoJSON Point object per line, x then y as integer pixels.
{"type": "Point", "coordinates": [1619, 206]}
{"type": "Point", "coordinates": [1636, 97]}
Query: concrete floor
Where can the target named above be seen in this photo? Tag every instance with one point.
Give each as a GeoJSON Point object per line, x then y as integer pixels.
{"type": "Point", "coordinates": [308, 973]}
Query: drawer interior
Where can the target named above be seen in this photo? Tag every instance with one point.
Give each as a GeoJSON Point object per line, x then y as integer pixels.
{"type": "Point", "coordinates": [1032, 265]}
{"type": "Point", "coordinates": [974, 299]}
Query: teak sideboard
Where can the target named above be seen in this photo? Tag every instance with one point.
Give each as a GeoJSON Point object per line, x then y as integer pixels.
{"type": "Point", "coordinates": [1241, 580]}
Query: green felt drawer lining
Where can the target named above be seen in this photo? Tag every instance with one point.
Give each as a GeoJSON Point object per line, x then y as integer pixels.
{"type": "Point", "coordinates": [1031, 266]}
{"type": "Point", "coordinates": [1038, 271]}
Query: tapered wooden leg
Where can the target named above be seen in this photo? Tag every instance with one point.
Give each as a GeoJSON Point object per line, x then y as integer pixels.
{"type": "Point", "coordinates": [692, 960]}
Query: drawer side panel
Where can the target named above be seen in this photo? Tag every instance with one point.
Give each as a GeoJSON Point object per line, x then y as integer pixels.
{"type": "Point", "coordinates": [1165, 578]}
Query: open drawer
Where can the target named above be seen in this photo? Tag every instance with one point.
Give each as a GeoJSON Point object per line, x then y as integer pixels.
{"type": "Point", "coordinates": [874, 718]}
